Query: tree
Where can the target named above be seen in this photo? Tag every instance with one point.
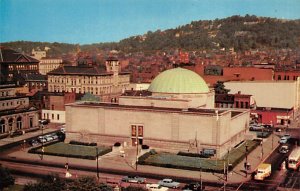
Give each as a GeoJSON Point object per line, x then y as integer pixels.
{"type": "Point", "coordinates": [6, 179]}
{"type": "Point", "coordinates": [54, 183]}
{"type": "Point", "coordinates": [220, 88]}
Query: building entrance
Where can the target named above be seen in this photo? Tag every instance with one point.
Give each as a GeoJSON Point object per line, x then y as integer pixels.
{"type": "Point", "coordinates": [137, 134]}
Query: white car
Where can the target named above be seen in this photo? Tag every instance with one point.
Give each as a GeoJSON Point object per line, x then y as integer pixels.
{"type": "Point", "coordinates": [283, 140]}
{"type": "Point", "coordinates": [156, 187]}
{"type": "Point", "coordinates": [167, 182]}
{"type": "Point", "coordinates": [54, 136]}
{"type": "Point", "coordinates": [42, 139]}
{"type": "Point", "coordinates": [48, 137]}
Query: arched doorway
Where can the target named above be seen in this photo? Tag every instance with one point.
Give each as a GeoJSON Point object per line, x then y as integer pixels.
{"type": "Point", "coordinates": [2, 126]}
{"type": "Point", "coordinates": [19, 123]}
{"type": "Point", "coordinates": [10, 124]}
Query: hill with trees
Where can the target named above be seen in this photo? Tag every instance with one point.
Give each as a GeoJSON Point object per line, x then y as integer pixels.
{"type": "Point", "coordinates": [238, 32]}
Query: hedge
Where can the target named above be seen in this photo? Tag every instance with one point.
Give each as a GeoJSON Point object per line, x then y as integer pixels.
{"type": "Point", "coordinates": [101, 151]}
{"type": "Point", "coordinates": [194, 162]}
{"type": "Point", "coordinates": [72, 142]}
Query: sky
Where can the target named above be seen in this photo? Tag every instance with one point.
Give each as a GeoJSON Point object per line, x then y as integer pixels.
{"type": "Point", "coordinates": [94, 21]}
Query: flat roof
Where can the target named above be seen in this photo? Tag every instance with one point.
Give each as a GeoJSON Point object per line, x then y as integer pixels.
{"type": "Point", "coordinates": [162, 109]}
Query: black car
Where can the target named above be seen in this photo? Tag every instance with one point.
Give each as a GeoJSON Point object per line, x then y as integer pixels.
{"type": "Point", "coordinates": [194, 186]}
{"type": "Point", "coordinates": [44, 121]}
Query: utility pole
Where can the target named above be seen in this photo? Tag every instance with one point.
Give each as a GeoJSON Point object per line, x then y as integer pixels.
{"type": "Point", "coordinates": [262, 140]}
{"type": "Point", "coordinates": [246, 163]}
{"type": "Point", "coordinates": [97, 158]}
{"type": "Point", "coordinates": [225, 179]}
{"type": "Point", "coordinates": [42, 141]}
{"type": "Point", "coordinates": [137, 148]}
{"type": "Point", "coordinates": [272, 134]}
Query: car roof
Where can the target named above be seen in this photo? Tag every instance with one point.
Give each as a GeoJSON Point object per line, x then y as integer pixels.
{"type": "Point", "coordinates": [167, 179]}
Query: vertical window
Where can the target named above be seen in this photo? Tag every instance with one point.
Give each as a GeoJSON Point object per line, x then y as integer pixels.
{"type": "Point", "coordinates": [57, 116]}
{"type": "Point", "coordinates": [237, 104]}
{"type": "Point", "coordinates": [279, 77]}
{"type": "Point", "coordinates": [30, 122]}
{"type": "Point", "coordinates": [242, 104]}
{"type": "Point", "coordinates": [52, 116]}
{"type": "Point", "coordinates": [246, 105]}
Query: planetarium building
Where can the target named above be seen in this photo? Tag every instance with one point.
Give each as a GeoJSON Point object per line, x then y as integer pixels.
{"type": "Point", "coordinates": [175, 113]}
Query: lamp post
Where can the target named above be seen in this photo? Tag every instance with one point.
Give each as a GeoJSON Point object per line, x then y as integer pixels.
{"type": "Point", "coordinates": [137, 151]}
{"type": "Point", "coordinates": [246, 163]}
{"type": "Point", "coordinates": [262, 140]}
{"type": "Point", "coordinates": [97, 159]}
{"type": "Point", "coordinates": [42, 140]}
{"type": "Point", "coordinates": [272, 134]}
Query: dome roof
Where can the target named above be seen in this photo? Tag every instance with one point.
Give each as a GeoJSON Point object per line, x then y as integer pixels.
{"type": "Point", "coordinates": [178, 80]}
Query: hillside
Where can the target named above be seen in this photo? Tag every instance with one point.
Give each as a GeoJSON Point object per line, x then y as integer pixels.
{"type": "Point", "coordinates": [241, 33]}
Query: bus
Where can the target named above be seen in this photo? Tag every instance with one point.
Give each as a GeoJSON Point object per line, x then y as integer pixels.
{"type": "Point", "coordinates": [294, 159]}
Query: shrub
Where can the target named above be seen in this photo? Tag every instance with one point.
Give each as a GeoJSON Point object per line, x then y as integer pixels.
{"type": "Point", "coordinates": [145, 147]}
{"type": "Point", "coordinates": [141, 159]}
{"type": "Point", "coordinates": [2, 136]}
{"type": "Point", "coordinates": [117, 144]}
{"type": "Point", "coordinates": [72, 142]}
{"type": "Point", "coordinates": [201, 155]}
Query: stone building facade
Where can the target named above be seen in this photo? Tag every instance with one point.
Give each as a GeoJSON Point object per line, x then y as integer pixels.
{"type": "Point", "coordinates": [106, 84]}
{"type": "Point", "coordinates": [15, 112]}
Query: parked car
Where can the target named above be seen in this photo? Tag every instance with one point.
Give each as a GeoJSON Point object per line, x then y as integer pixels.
{"type": "Point", "coordinates": [33, 142]}
{"type": "Point", "coordinates": [194, 186]}
{"type": "Point", "coordinates": [48, 137]}
{"type": "Point", "coordinates": [284, 149]}
{"type": "Point", "coordinates": [169, 183]}
{"type": "Point", "coordinates": [256, 127]}
{"type": "Point", "coordinates": [134, 179]}
{"type": "Point", "coordinates": [283, 140]}
{"type": "Point", "coordinates": [16, 133]}
{"type": "Point", "coordinates": [156, 187]}
{"type": "Point", "coordinates": [288, 136]}
{"type": "Point", "coordinates": [54, 136]}
{"type": "Point", "coordinates": [42, 139]}
{"type": "Point", "coordinates": [44, 121]}
{"type": "Point", "coordinates": [63, 129]}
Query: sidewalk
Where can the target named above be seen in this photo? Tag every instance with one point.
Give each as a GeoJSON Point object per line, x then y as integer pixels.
{"type": "Point", "coordinates": [115, 161]}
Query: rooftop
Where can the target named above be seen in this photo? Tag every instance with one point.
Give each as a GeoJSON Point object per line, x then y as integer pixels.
{"type": "Point", "coordinates": [159, 109]}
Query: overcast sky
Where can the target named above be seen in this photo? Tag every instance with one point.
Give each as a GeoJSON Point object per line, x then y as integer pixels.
{"type": "Point", "coordinates": [93, 21]}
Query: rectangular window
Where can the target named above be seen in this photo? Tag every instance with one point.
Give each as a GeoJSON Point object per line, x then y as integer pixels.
{"type": "Point", "coordinates": [246, 105]}
{"type": "Point", "coordinates": [236, 104]}
{"type": "Point", "coordinates": [57, 116]}
{"type": "Point", "coordinates": [133, 130]}
{"type": "Point", "coordinates": [140, 131]}
{"type": "Point", "coordinates": [242, 104]}
{"type": "Point", "coordinates": [52, 116]}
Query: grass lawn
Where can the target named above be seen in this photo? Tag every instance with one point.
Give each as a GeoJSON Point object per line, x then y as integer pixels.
{"type": "Point", "coordinates": [76, 151]}
{"type": "Point", "coordinates": [195, 163]}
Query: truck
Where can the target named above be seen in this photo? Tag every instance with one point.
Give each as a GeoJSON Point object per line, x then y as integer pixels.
{"type": "Point", "coordinates": [263, 171]}
{"type": "Point", "coordinates": [294, 159]}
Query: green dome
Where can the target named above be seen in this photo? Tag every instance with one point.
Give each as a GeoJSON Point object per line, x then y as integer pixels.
{"type": "Point", "coordinates": [178, 80]}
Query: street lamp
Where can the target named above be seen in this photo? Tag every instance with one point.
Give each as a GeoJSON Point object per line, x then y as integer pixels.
{"type": "Point", "coordinates": [246, 163]}
{"type": "Point", "coordinates": [272, 134]}
{"type": "Point", "coordinates": [97, 159]}
{"type": "Point", "coordinates": [42, 140]}
{"type": "Point", "coordinates": [262, 140]}
{"type": "Point", "coordinates": [137, 152]}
